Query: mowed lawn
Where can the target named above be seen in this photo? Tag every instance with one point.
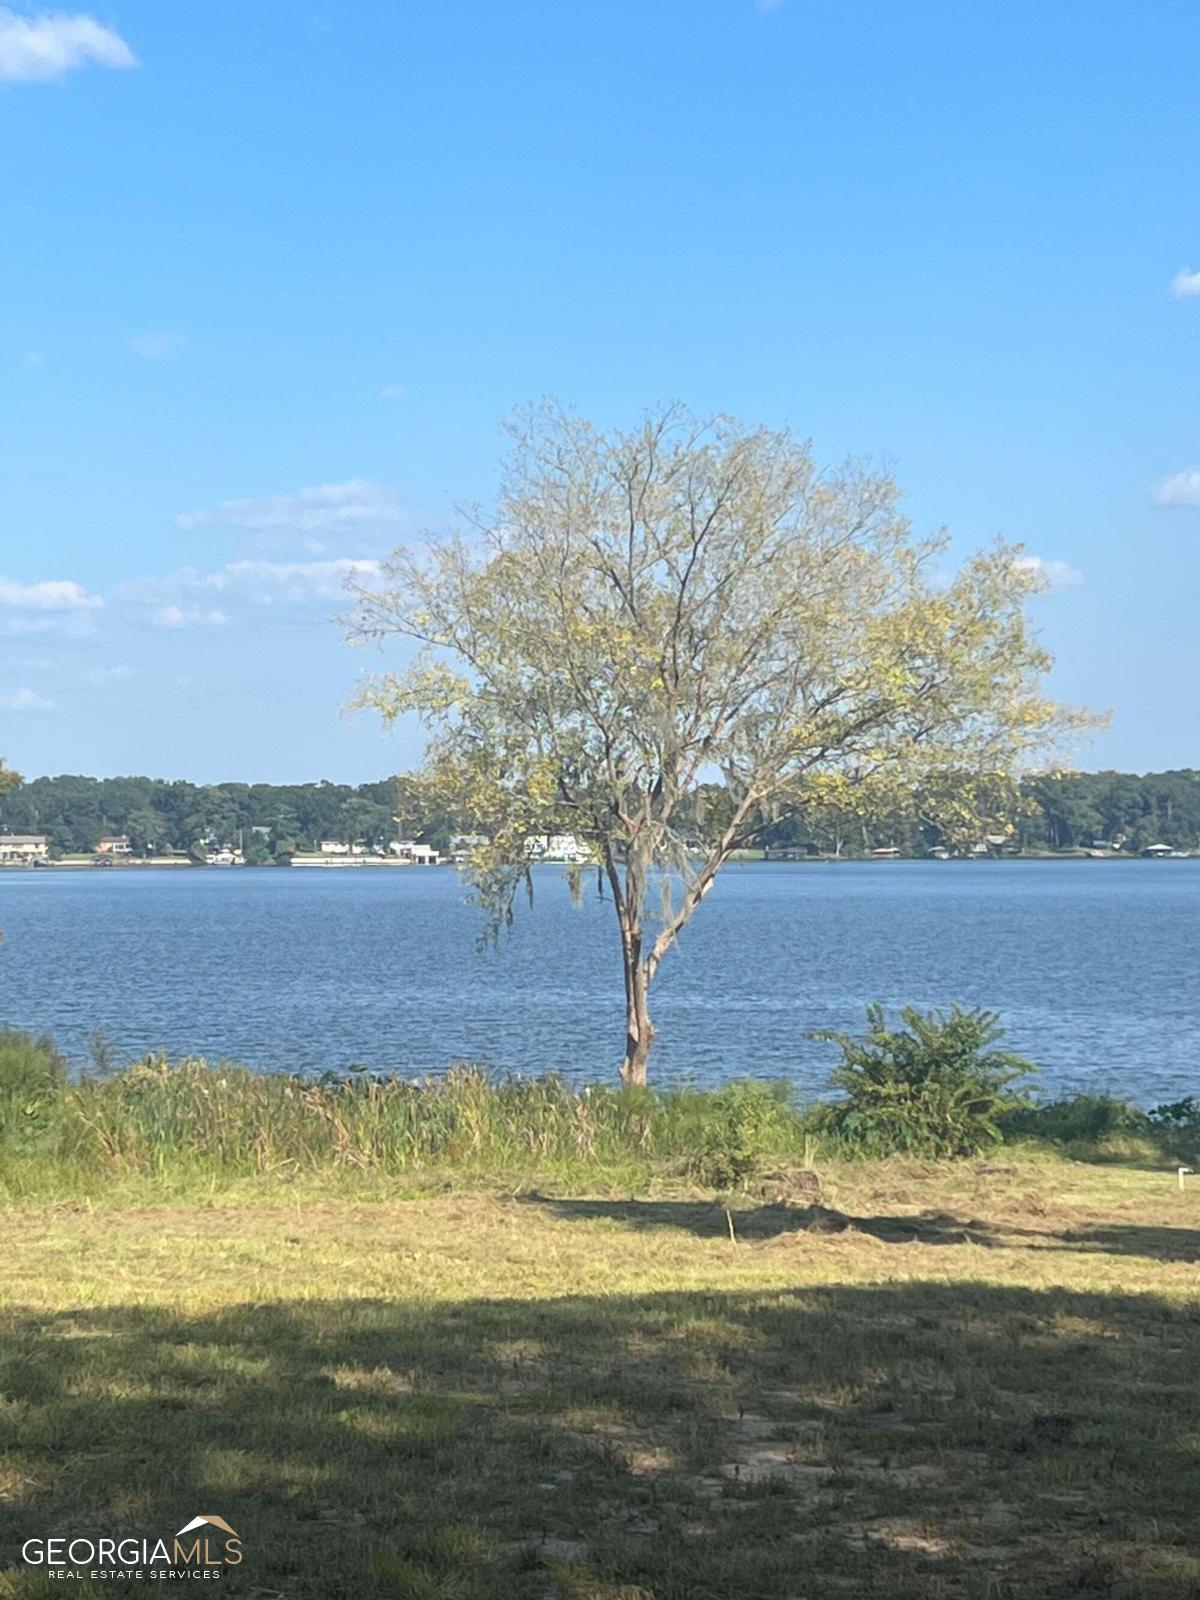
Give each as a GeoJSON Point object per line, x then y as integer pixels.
{"type": "Point", "coordinates": [973, 1380]}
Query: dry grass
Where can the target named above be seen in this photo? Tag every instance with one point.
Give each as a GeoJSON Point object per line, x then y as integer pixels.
{"type": "Point", "coordinates": [962, 1381]}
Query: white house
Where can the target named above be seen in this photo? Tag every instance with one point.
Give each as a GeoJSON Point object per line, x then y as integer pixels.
{"type": "Point", "coordinates": [334, 847]}
{"type": "Point", "coordinates": [23, 849]}
{"type": "Point", "coordinates": [114, 844]}
{"type": "Point", "coordinates": [418, 855]}
{"type": "Point", "coordinates": [556, 847]}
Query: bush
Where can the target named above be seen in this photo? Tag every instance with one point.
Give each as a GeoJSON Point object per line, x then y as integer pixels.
{"type": "Point", "coordinates": [1179, 1120]}
{"type": "Point", "coordinates": [1092, 1126]}
{"type": "Point", "coordinates": [1084, 1119]}
{"type": "Point", "coordinates": [933, 1088]}
{"type": "Point", "coordinates": [741, 1124]}
{"type": "Point", "coordinates": [33, 1078]}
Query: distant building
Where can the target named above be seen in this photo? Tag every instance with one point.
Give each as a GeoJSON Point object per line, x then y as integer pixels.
{"type": "Point", "coordinates": [1158, 850]}
{"type": "Point", "coordinates": [334, 847]}
{"type": "Point", "coordinates": [114, 844]}
{"type": "Point", "coordinates": [886, 852]}
{"type": "Point", "coordinates": [556, 847]}
{"type": "Point", "coordinates": [419, 855]}
{"type": "Point", "coordinates": [23, 849]}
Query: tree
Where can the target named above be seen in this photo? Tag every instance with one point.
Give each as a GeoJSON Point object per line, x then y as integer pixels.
{"type": "Point", "coordinates": [145, 831]}
{"type": "Point", "coordinates": [648, 609]}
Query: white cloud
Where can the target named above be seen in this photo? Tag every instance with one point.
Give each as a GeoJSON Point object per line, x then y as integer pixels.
{"type": "Point", "coordinates": [270, 582]}
{"type": "Point", "coordinates": [25, 700]}
{"type": "Point", "coordinates": [392, 391]}
{"type": "Point", "coordinates": [1052, 575]}
{"type": "Point", "coordinates": [1183, 489]}
{"type": "Point", "coordinates": [306, 517]}
{"type": "Point", "coordinates": [59, 594]}
{"type": "Point", "coordinates": [1185, 284]}
{"type": "Point", "coordinates": [35, 49]}
{"type": "Point", "coordinates": [188, 617]}
{"type": "Point", "coordinates": [189, 598]}
{"type": "Point", "coordinates": [154, 346]}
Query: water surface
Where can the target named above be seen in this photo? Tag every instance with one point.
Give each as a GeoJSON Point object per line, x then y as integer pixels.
{"type": "Point", "coordinates": [1092, 964]}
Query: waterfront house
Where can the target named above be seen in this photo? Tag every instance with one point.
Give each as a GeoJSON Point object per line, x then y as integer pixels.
{"type": "Point", "coordinates": [114, 844]}
{"type": "Point", "coordinates": [886, 852]}
{"type": "Point", "coordinates": [418, 855]}
{"type": "Point", "coordinates": [556, 847]}
{"type": "Point", "coordinates": [1157, 851]}
{"type": "Point", "coordinates": [23, 849]}
{"type": "Point", "coordinates": [334, 847]}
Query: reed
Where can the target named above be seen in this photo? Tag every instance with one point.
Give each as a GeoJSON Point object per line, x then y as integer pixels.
{"type": "Point", "coordinates": [191, 1126]}
{"type": "Point", "coordinates": [191, 1120]}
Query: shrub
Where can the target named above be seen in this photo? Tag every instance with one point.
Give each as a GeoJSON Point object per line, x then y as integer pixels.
{"type": "Point", "coordinates": [934, 1087]}
{"type": "Point", "coordinates": [1083, 1119]}
{"type": "Point", "coordinates": [1181, 1118]}
{"type": "Point", "coordinates": [740, 1123]}
{"type": "Point", "coordinates": [1102, 1126]}
{"type": "Point", "coordinates": [33, 1078]}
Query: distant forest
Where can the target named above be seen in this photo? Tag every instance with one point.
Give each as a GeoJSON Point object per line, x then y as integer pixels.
{"type": "Point", "coordinates": [1057, 812]}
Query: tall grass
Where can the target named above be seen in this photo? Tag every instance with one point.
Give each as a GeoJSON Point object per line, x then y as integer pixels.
{"type": "Point", "coordinates": [189, 1120]}
{"type": "Point", "coordinates": [188, 1126]}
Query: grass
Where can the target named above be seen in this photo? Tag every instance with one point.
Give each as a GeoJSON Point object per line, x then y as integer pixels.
{"type": "Point", "coordinates": [191, 1130]}
{"type": "Point", "coordinates": [199, 1128]}
{"type": "Point", "coordinates": [965, 1381]}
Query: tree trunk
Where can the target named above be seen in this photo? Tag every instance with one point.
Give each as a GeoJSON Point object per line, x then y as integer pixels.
{"type": "Point", "coordinates": [639, 1030]}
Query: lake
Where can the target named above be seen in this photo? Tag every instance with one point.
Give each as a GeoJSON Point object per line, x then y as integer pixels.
{"type": "Point", "coordinates": [1093, 966]}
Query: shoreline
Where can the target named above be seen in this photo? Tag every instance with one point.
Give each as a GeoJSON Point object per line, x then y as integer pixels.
{"type": "Point", "coordinates": [736, 861]}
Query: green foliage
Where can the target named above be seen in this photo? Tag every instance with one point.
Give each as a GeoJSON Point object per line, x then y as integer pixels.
{"type": "Point", "coordinates": [742, 1123]}
{"type": "Point", "coordinates": [33, 1080]}
{"type": "Point", "coordinates": [933, 1088]}
{"type": "Point", "coordinates": [1106, 1127]}
{"type": "Point", "coordinates": [195, 1121]}
{"type": "Point", "coordinates": [1057, 812]}
{"type": "Point", "coordinates": [75, 812]}
{"type": "Point", "coordinates": [1082, 1119]}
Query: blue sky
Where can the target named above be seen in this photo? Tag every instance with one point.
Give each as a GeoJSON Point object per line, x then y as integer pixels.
{"type": "Point", "coordinates": [274, 273]}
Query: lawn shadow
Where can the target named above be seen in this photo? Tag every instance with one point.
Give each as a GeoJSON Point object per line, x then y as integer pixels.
{"type": "Point", "coordinates": [901, 1438]}
{"type": "Point", "coordinates": [711, 1219]}
{"type": "Point", "coordinates": [775, 1220]}
{"type": "Point", "coordinates": [1136, 1239]}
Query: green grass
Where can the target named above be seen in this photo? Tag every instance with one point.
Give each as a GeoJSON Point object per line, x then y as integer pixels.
{"type": "Point", "coordinates": [969, 1381]}
{"type": "Point", "coordinates": [191, 1130]}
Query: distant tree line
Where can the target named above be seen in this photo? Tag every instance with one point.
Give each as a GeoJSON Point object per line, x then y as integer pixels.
{"type": "Point", "coordinates": [266, 819]}
{"type": "Point", "coordinates": [1059, 812]}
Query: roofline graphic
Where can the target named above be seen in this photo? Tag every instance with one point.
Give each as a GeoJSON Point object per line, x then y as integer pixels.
{"type": "Point", "coordinates": [199, 1522]}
